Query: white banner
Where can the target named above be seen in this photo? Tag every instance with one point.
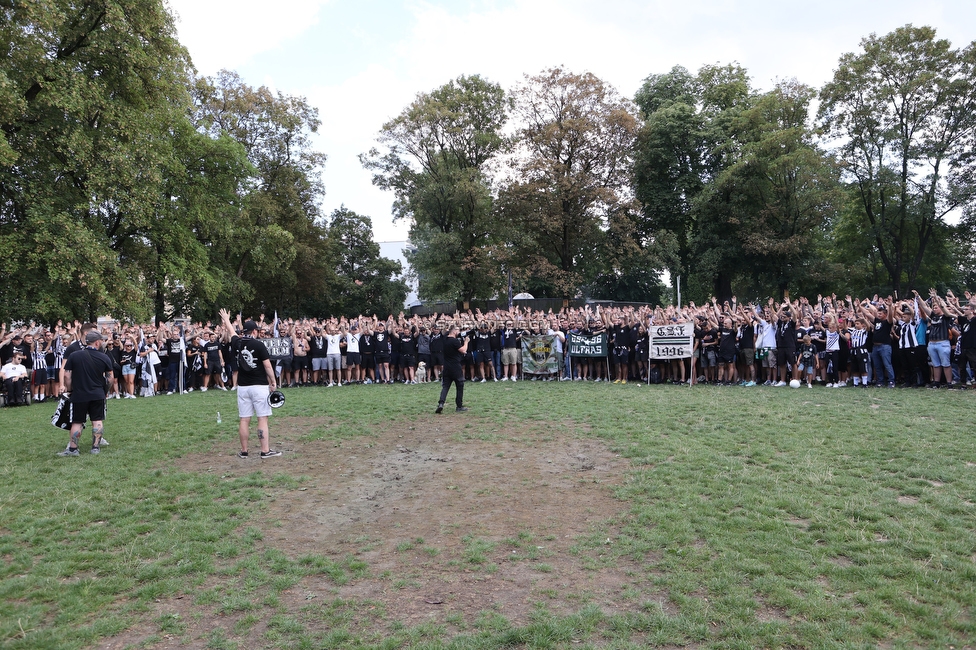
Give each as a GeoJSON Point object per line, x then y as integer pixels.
{"type": "Point", "coordinates": [671, 341]}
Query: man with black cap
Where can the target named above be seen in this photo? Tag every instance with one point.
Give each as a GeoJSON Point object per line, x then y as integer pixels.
{"type": "Point", "coordinates": [454, 350]}
{"type": "Point", "coordinates": [256, 381]}
{"type": "Point", "coordinates": [84, 374]}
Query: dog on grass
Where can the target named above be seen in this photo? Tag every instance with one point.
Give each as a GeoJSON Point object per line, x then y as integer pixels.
{"type": "Point", "coordinates": [421, 372]}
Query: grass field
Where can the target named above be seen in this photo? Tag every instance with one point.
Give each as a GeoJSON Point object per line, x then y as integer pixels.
{"type": "Point", "coordinates": [744, 518]}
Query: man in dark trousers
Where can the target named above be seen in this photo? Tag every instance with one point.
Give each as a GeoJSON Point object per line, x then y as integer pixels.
{"type": "Point", "coordinates": [84, 377]}
{"type": "Point", "coordinates": [454, 350]}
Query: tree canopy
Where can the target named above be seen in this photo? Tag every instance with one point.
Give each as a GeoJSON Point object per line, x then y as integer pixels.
{"type": "Point", "coordinates": [130, 185]}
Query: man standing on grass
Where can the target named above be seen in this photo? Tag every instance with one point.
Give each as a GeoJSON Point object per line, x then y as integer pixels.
{"type": "Point", "coordinates": [83, 376]}
{"type": "Point", "coordinates": [255, 380]}
{"type": "Point", "coordinates": [454, 351]}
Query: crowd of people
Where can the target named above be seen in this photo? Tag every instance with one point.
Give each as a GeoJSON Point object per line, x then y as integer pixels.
{"type": "Point", "coordinates": [831, 341]}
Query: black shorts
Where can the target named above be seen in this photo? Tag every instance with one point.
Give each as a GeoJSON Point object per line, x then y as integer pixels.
{"type": "Point", "coordinates": [785, 356]}
{"type": "Point", "coordinates": [408, 361]}
{"type": "Point", "coordinates": [300, 363]}
{"type": "Point", "coordinates": [354, 359]}
{"type": "Point", "coordinates": [214, 368]}
{"type": "Point", "coordinates": [382, 358]}
{"type": "Point", "coordinates": [394, 358]}
{"type": "Point", "coordinates": [621, 355]}
{"type": "Point", "coordinates": [81, 411]}
{"type": "Point", "coordinates": [437, 358]}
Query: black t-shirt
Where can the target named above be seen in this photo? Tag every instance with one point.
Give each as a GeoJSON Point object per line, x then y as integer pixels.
{"type": "Point", "coordinates": [25, 350]}
{"type": "Point", "coordinates": [251, 355]}
{"type": "Point", "coordinates": [786, 335]}
{"type": "Point", "coordinates": [317, 347]}
{"type": "Point", "coordinates": [726, 342]}
{"type": "Point", "coordinates": [408, 344]}
{"type": "Point", "coordinates": [453, 355]}
{"type": "Point", "coordinates": [366, 345]}
{"type": "Point", "coordinates": [747, 339]}
{"type": "Point", "coordinates": [495, 339]}
{"type": "Point", "coordinates": [512, 338]}
{"type": "Point", "coordinates": [882, 332]}
{"type": "Point", "coordinates": [709, 340]}
{"type": "Point", "coordinates": [381, 342]}
{"type": "Point", "coordinates": [213, 353]}
{"type": "Point", "coordinates": [88, 368]}
{"type": "Point", "coordinates": [437, 343]}
{"type": "Point", "coordinates": [620, 334]}
{"type": "Point", "coordinates": [939, 328]}
{"type": "Point", "coordinates": [967, 333]}
{"type": "Point", "coordinates": [127, 357]}
{"type": "Point", "coordinates": [483, 341]}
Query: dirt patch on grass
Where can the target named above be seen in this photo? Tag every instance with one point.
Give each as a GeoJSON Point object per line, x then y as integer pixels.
{"type": "Point", "coordinates": [455, 516]}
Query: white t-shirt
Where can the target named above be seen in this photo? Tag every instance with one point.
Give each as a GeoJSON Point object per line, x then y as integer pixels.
{"type": "Point", "coordinates": [352, 342]}
{"type": "Point", "coordinates": [332, 343]}
{"type": "Point", "coordinates": [13, 370]}
{"type": "Point", "coordinates": [766, 335]}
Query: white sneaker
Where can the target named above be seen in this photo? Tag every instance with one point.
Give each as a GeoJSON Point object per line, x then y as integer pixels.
{"type": "Point", "coordinates": [484, 381]}
{"type": "Point", "coordinates": [779, 384]}
{"type": "Point", "coordinates": [504, 379]}
{"type": "Point", "coordinates": [234, 388]}
{"type": "Point", "coordinates": [514, 379]}
{"type": "Point", "coordinates": [189, 390]}
{"type": "Point", "coordinates": [829, 386]}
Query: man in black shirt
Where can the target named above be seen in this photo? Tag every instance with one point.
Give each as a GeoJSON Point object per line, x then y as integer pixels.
{"type": "Point", "coordinates": [213, 364]}
{"type": "Point", "coordinates": [84, 376]}
{"type": "Point", "coordinates": [454, 350]}
{"type": "Point", "coordinates": [256, 380]}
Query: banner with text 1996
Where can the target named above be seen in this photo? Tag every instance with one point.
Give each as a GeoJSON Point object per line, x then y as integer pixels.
{"type": "Point", "coordinates": [671, 341]}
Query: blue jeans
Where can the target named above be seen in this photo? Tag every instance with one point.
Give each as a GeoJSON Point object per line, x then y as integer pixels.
{"type": "Point", "coordinates": [882, 355]}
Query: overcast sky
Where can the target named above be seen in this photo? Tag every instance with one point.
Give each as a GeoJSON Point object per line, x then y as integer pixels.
{"type": "Point", "coordinates": [360, 62]}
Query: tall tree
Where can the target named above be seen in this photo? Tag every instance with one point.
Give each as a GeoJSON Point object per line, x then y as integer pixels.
{"type": "Point", "coordinates": [436, 157]}
{"type": "Point", "coordinates": [904, 111]}
{"type": "Point", "coordinates": [360, 280]}
{"type": "Point", "coordinates": [570, 179]}
{"type": "Point", "coordinates": [763, 216]}
{"type": "Point", "coordinates": [684, 144]}
{"type": "Point", "coordinates": [91, 94]}
{"type": "Point", "coordinates": [272, 252]}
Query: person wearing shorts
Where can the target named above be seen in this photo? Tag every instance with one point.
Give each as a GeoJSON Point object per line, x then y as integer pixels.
{"type": "Point", "coordinates": [85, 373]}
{"type": "Point", "coordinates": [806, 360]}
{"type": "Point", "coordinates": [333, 357]}
{"type": "Point", "coordinates": [256, 380]}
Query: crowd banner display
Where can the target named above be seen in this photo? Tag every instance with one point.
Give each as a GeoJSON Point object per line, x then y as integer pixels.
{"type": "Point", "coordinates": [278, 348]}
{"type": "Point", "coordinates": [671, 341]}
{"type": "Point", "coordinates": [539, 355]}
{"type": "Point", "coordinates": [588, 346]}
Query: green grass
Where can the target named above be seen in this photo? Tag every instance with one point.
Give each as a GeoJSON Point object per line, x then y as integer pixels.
{"type": "Point", "coordinates": [768, 517]}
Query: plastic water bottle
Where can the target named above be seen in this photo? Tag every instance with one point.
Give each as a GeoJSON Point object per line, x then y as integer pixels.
{"type": "Point", "coordinates": [218, 417]}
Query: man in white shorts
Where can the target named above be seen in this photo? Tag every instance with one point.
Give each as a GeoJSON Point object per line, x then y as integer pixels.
{"type": "Point", "coordinates": [255, 380]}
